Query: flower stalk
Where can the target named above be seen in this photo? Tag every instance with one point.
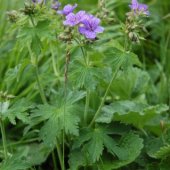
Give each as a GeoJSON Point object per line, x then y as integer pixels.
{"type": "Point", "coordinates": [86, 106]}
{"type": "Point", "coordinates": [54, 160]}
{"type": "Point", "coordinates": [35, 64]}
{"type": "Point", "coordinates": [60, 155]}
{"type": "Point", "coordinates": [56, 73]}
{"type": "Point", "coordinates": [42, 94]}
{"type": "Point", "coordinates": [104, 98]}
{"type": "Point", "coordinates": [4, 138]}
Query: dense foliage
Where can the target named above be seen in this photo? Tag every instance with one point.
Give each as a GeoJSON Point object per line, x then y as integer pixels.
{"type": "Point", "coordinates": [84, 84]}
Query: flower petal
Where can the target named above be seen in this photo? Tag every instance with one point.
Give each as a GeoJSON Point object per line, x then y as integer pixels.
{"type": "Point", "coordinates": [82, 30]}
{"type": "Point", "coordinates": [90, 35]}
{"type": "Point", "coordinates": [99, 29]}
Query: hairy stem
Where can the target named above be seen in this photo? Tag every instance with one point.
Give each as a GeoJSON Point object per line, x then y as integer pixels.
{"type": "Point", "coordinates": [66, 67]}
{"type": "Point", "coordinates": [104, 98]}
{"type": "Point", "coordinates": [144, 132]}
{"type": "Point", "coordinates": [54, 64]}
{"type": "Point", "coordinates": [59, 155]}
{"type": "Point", "coordinates": [67, 60]}
{"type": "Point", "coordinates": [84, 55]}
{"type": "Point", "coordinates": [42, 94]}
{"type": "Point", "coordinates": [22, 142]}
{"type": "Point", "coordinates": [82, 50]}
{"type": "Point", "coordinates": [87, 91]}
{"type": "Point", "coordinates": [35, 64]}
{"type": "Point", "coordinates": [86, 106]}
{"type": "Point", "coordinates": [54, 161]}
{"type": "Point", "coordinates": [4, 139]}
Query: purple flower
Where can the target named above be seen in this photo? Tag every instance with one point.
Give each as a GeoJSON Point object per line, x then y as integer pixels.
{"type": "Point", "coordinates": [56, 5]}
{"type": "Point", "coordinates": [90, 27]}
{"type": "Point", "coordinates": [67, 9]}
{"type": "Point", "coordinates": [137, 7]}
{"type": "Point", "coordinates": [74, 19]}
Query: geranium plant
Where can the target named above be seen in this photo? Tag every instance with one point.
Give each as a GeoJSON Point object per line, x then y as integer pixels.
{"type": "Point", "coordinates": [77, 96]}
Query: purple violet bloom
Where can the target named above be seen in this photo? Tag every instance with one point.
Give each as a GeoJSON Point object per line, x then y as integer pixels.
{"type": "Point", "coordinates": [74, 19]}
{"type": "Point", "coordinates": [67, 9]}
{"type": "Point", "coordinates": [90, 27]}
{"type": "Point", "coordinates": [56, 5]}
{"type": "Point", "coordinates": [137, 7]}
{"type": "Point", "coordinates": [134, 5]}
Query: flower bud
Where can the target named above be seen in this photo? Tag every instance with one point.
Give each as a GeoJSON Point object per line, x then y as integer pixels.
{"type": "Point", "coordinates": [29, 9]}
{"type": "Point", "coordinates": [12, 15]}
{"type": "Point", "coordinates": [133, 37]}
{"type": "Point", "coordinates": [65, 37]}
{"type": "Point", "coordinates": [162, 125]}
{"type": "Point", "coordinates": [5, 96]}
{"type": "Point", "coordinates": [101, 3]}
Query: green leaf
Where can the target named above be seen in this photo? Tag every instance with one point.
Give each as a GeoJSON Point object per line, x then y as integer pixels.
{"type": "Point", "coordinates": [131, 59]}
{"type": "Point", "coordinates": [83, 75]}
{"type": "Point", "coordinates": [18, 76]}
{"type": "Point", "coordinates": [163, 152]}
{"type": "Point", "coordinates": [18, 110]}
{"type": "Point", "coordinates": [158, 147]}
{"type": "Point", "coordinates": [113, 148]}
{"type": "Point", "coordinates": [36, 45]}
{"type": "Point", "coordinates": [129, 112]}
{"type": "Point", "coordinates": [34, 36]}
{"type": "Point", "coordinates": [76, 160]}
{"type": "Point", "coordinates": [35, 154]}
{"type": "Point", "coordinates": [62, 115]}
{"type": "Point", "coordinates": [130, 83]}
{"type": "Point", "coordinates": [55, 124]}
{"type": "Point", "coordinates": [16, 162]}
{"type": "Point", "coordinates": [122, 107]}
{"type": "Point", "coordinates": [27, 32]}
{"type": "Point", "coordinates": [153, 145]}
{"type": "Point", "coordinates": [42, 29]}
{"type": "Point", "coordinates": [93, 143]}
{"type": "Point", "coordinates": [141, 118]}
{"type": "Point", "coordinates": [131, 144]}
{"type": "Point", "coordinates": [114, 56]}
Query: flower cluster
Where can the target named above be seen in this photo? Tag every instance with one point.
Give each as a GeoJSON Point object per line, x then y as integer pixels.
{"type": "Point", "coordinates": [56, 5]}
{"type": "Point", "coordinates": [67, 9]}
{"type": "Point", "coordinates": [88, 25]}
{"type": "Point", "coordinates": [135, 23]}
{"type": "Point", "coordinates": [13, 15]}
{"type": "Point", "coordinates": [138, 7]}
